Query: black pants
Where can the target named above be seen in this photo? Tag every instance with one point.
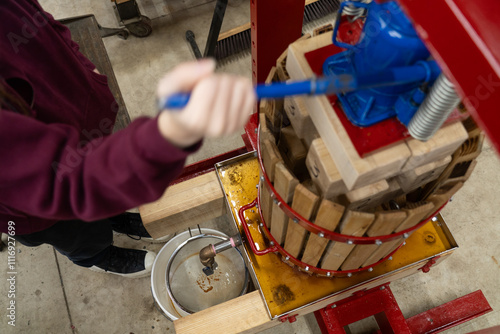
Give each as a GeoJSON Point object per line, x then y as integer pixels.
{"type": "Point", "coordinates": [84, 243]}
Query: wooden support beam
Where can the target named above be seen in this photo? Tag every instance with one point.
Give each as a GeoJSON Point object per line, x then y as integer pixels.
{"type": "Point", "coordinates": [184, 205]}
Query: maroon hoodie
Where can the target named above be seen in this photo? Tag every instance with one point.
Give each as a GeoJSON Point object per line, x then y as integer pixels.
{"type": "Point", "coordinates": [62, 163]}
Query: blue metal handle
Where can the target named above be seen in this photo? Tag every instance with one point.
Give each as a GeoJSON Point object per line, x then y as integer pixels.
{"type": "Point", "coordinates": [337, 23]}
{"type": "Point", "coordinates": [335, 84]}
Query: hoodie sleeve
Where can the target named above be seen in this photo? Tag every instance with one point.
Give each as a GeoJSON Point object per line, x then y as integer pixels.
{"type": "Point", "coordinates": [46, 173]}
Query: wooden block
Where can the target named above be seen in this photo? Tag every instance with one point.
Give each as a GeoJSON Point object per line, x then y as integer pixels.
{"type": "Point", "coordinates": [421, 175]}
{"type": "Point", "coordinates": [328, 217]}
{"type": "Point", "coordinates": [356, 171]}
{"type": "Point", "coordinates": [365, 197]}
{"type": "Point", "coordinates": [355, 224]}
{"type": "Point", "coordinates": [415, 212]}
{"type": "Point", "coordinates": [304, 203]}
{"type": "Point", "coordinates": [281, 67]}
{"type": "Point", "coordinates": [292, 151]}
{"type": "Point", "coordinates": [323, 171]}
{"type": "Point", "coordinates": [385, 223]}
{"type": "Point", "coordinates": [297, 113]}
{"type": "Point", "coordinates": [443, 194]}
{"type": "Point", "coordinates": [270, 157]}
{"type": "Point", "coordinates": [446, 141]}
{"type": "Point", "coordinates": [184, 205]}
{"type": "Point", "coordinates": [227, 317]}
{"type": "Point", "coordinates": [273, 114]}
{"type": "Point", "coordinates": [284, 183]}
{"type": "Point", "coordinates": [461, 172]}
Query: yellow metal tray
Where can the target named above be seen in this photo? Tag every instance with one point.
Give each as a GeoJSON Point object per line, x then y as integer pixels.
{"type": "Point", "coordinates": [286, 289]}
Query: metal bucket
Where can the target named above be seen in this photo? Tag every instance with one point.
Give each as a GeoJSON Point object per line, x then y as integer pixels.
{"type": "Point", "coordinates": [193, 291]}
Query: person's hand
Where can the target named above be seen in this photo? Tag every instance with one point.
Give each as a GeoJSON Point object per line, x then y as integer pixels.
{"type": "Point", "coordinates": [220, 104]}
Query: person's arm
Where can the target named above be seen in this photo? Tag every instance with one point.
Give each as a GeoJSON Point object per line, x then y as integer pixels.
{"type": "Point", "coordinates": [44, 173]}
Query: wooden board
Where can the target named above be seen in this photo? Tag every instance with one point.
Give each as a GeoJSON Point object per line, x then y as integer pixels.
{"type": "Point", "coordinates": [270, 157]}
{"type": "Point", "coordinates": [292, 151]}
{"type": "Point", "coordinates": [266, 204]}
{"type": "Point", "coordinates": [443, 194]}
{"type": "Point", "coordinates": [296, 111]}
{"type": "Point", "coordinates": [356, 171]}
{"type": "Point", "coordinates": [328, 217]}
{"type": "Point", "coordinates": [304, 203]}
{"type": "Point", "coordinates": [184, 205]}
{"type": "Point", "coordinates": [414, 214]}
{"type": "Point", "coordinates": [233, 31]}
{"type": "Point", "coordinates": [323, 171]}
{"type": "Point", "coordinates": [265, 133]}
{"type": "Point", "coordinates": [421, 175]}
{"type": "Point", "coordinates": [461, 172]}
{"type": "Point", "coordinates": [385, 223]}
{"type": "Point", "coordinates": [446, 141]}
{"type": "Point", "coordinates": [284, 183]}
{"type": "Point", "coordinates": [355, 224]}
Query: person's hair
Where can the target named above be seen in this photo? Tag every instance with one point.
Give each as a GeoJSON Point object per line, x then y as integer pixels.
{"type": "Point", "coordinates": [12, 101]}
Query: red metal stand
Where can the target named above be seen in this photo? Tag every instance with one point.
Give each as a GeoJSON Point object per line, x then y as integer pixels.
{"type": "Point", "coordinates": [380, 303]}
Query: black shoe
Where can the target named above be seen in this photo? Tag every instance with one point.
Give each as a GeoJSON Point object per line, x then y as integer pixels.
{"type": "Point", "coordinates": [131, 224]}
{"type": "Point", "coordinates": [133, 263]}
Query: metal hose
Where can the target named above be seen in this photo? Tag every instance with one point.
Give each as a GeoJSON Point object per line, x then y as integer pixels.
{"type": "Point", "coordinates": [355, 11]}
{"type": "Point", "coordinates": [435, 109]}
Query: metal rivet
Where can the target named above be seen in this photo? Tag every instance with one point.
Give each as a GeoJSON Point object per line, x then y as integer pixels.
{"type": "Point", "coordinates": [404, 243]}
{"type": "Point", "coordinates": [321, 235]}
{"type": "Point", "coordinates": [261, 225]}
{"type": "Point", "coordinates": [272, 243]}
{"type": "Point", "coordinates": [434, 219]}
{"type": "Point", "coordinates": [390, 258]}
{"type": "Point", "coordinates": [255, 154]}
{"type": "Point", "coordinates": [256, 130]}
{"type": "Point", "coordinates": [287, 258]}
{"type": "Point", "coordinates": [296, 220]}
{"type": "Point", "coordinates": [370, 269]}
{"type": "Point", "coordinates": [378, 242]}
{"type": "Point", "coordinates": [328, 274]}
{"type": "Point", "coordinates": [349, 242]}
{"type": "Point", "coordinates": [349, 274]}
{"type": "Point", "coordinates": [406, 235]}
{"type": "Point", "coordinates": [276, 201]}
{"type": "Point", "coordinates": [262, 178]}
{"type": "Point", "coordinates": [256, 206]}
{"type": "Point", "coordinates": [334, 305]}
{"type": "Point", "coordinates": [257, 186]}
{"type": "Point", "coordinates": [307, 268]}
{"type": "Point", "coordinates": [382, 287]}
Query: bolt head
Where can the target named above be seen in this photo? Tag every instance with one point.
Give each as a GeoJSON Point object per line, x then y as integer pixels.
{"type": "Point", "coordinates": [349, 274]}
{"type": "Point", "coordinates": [262, 178]}
{"type": "Point", "coordinates": [261, 224]}
{"type": "Point", "coordinates": [306, 268]}
{"type": "Point", "coordinates": [256, 130]}
{"type": "Point", "coordinates": [370, 269]}
{"type": "Point", "coordinates": [321, 235]}
{"type": "Point", "coordinates": [272, 243]}
{"type": "Point", "coordinates": [390, 258]}
{"type": "Point", "coordinates": [287, 258]}
{"type": "Point", "coordinates": [406, 235]}
{"type": "Point", "coordinates": [328, 274]}
{"type": "Point", "coordinates": [334, 305]}
{"type": "Point", "coordinates": [382, 288]}
{"type": "Point", "coordinates": [434, 219]}
{"type": "Point", "coordinates": [275, 201]}
{"type": "Point", "coordinates": [404, 243]}
{"type": "Point", "coordinates": [296, 220]}
{"type": "Point", "coordinates": [350, 242]}
{"type": "Point", "coordinates": [378, 242]}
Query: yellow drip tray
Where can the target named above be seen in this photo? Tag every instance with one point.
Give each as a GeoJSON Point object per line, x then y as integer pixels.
{"type": "Point", "coordinates": [286, 289]}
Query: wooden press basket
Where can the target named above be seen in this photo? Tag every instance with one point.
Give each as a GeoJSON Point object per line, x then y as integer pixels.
{"type": "Point", "coordinates": [328, 230]}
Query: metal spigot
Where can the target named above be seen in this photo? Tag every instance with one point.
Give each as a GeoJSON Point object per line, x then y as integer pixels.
{"type": "Point", "coordinates": [207, 254]}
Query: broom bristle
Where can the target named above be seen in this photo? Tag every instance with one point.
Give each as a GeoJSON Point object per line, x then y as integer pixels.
{"type": "Point", "coordinates": [242, 40]}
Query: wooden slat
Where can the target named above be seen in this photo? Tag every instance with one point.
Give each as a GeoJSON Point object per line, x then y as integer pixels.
{"type": "Point", "coordinates": [443, 194]}
{"type": "Point", "coordinates": [292, 151]}
{"type": "Point", "coordinates": [442, 144]}
{"type": "Point", "coordinates": [297, 114]}
{"type": "Point", "coordinates": [265, 133]}
{"type": "Point", "coordinates": [355, 224]}
{"type": "Point", "coordinates": [184, 205]}
{"type": "Point", "coordinates": [422, 175]}
{"type": "Point", "coordinates": [463, 170]}
{"type": "Point", "coordinates": [328, 217]}
{"type": "Point", "coordinates": [266, 204]}
{"type": "Point", "coordinates": [385, 223]}
{"type": "Point", "coordinates": [245, 314]}
{"type": "Point", "coordinates": [270, 157]}
{"type": "Point", "coordinates": [304, 203]}
{"type": "Point", "coordinates": [414, 214]}
{"type": "Point", "coordinates": [284, 183]}
{"type": "Point", "coordinates": [323, 171]}
{"type": "Point", "coordinates": [356, 171]}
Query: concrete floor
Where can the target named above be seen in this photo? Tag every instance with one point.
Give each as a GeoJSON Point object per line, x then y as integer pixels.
{"type": "Point", "coordinates": [55, 296]}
